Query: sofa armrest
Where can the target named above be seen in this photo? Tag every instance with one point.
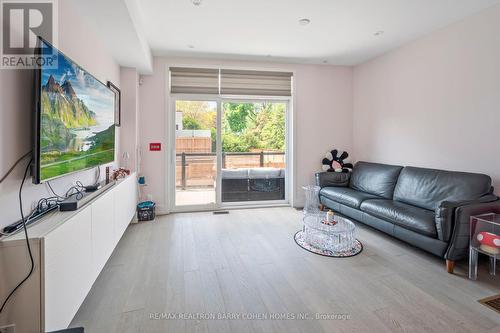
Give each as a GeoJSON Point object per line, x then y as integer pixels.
{"type": "Point", "coordinates": [324, 179]}
{"type": "Point", "coordinates": [459, 227]}
{"type": "Point", "coordinates": [445, 214]}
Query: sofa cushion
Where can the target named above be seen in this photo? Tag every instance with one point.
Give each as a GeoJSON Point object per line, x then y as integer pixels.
{"type": "Point", "coordinates": [234, 174]}
{"type": "Point", "coordinates": [346, 196]}
{"type": "Point", "coordinates": [282, 173]}
{"type": "Point", "coordinates": [427, 188]}
{"type": "Point", "coordinates": [406, 216]}
{"type": "Point", "coordinates": [374, 178]}
{"type": "Point", "coordinates": [264, 173]}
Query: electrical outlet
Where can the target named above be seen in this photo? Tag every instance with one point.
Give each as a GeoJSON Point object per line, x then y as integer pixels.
{"type": "Point", "coordinates": [8, 329]}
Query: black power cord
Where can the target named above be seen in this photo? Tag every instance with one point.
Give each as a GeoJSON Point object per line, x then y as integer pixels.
{"type": "Point", "coordinates": [26, 236]}
{"type": "Point", "coordinates": [54, 192]}
{"type": "Point", "coordinates": [13, 166]}
{"type": "Point", "coordinates": [43, 205]}
{"type": "Point", "coordinates": [77, 189]}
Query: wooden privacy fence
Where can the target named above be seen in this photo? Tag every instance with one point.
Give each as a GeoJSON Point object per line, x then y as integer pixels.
{"type": "Point", "coordinates": [193, 144]}
{"type": "Point", "coordinates": [199, 169]}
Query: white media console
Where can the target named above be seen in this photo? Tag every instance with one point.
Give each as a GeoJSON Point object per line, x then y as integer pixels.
{"type": "Point", "coordinates": [70, 250]}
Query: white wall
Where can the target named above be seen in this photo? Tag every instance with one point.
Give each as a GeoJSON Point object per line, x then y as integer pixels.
{"type": "Point", "coordinates": [129, 128]}
{"type": "Point", "coordinates": [434, 102]}
{"type": "Point", "coordinates": [323, 109]}
{"type": "Point", "coordinates": [79, 42]}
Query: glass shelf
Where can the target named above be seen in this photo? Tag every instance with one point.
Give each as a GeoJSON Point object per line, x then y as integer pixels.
{"type": "Point", "coordinates": [485, 239]}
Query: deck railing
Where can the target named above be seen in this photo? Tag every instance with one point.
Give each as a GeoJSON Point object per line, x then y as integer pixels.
{"type": "Point", "coordinates": [184, 157]}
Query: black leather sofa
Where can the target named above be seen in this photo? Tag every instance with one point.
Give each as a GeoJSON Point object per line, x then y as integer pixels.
{"type": "Point", "coordinates": [427, 208]}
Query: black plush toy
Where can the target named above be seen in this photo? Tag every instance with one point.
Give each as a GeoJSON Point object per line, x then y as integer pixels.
{"type": "Point", "coordinates": [334, 163]}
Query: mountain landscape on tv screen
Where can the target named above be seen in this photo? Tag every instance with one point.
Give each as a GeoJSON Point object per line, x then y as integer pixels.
{"type": "Point", "coordinates": [76, 123]}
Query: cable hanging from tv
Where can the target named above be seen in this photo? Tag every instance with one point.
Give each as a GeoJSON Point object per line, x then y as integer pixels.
{"type": "Point", "coordinates": [14, 166]}
{"type": "Point", "coordinates": [43, 206]}
{"type": "Point", "coordinates": [32, 262]}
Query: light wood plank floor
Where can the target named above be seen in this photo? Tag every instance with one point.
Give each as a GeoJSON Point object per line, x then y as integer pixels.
{"type": "Point", "coordinates": [246, 263]}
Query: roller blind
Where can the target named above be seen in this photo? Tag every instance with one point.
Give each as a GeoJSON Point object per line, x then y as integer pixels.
{"type": "Point", "coordinates": [258, 83]}
{"type": "Point", "coordinates": [194, 80]}
{"type": "Point", "coordinates": [232, 82]}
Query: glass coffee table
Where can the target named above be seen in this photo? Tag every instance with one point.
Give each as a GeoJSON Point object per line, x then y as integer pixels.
{"type": "Point", "coordinates": [338, 240]}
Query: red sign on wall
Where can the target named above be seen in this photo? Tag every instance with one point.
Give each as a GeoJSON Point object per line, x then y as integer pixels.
{"type": "Point", "coordinates": [156, 146]}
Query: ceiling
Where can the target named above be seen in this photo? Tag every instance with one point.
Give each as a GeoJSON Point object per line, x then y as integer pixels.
{"type": "Point", "coordinates": [341, 32]}
{"type": "Point", "coordinates": [117, 23]}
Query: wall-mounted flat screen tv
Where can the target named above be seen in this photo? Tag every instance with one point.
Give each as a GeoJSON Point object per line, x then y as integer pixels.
{"type": "Point", "coordinates": [74, 120]}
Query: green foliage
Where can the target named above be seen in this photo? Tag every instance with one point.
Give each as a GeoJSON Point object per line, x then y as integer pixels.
{"type": "Point", "coordinates": [104, 140]}
{"type": "Point", "coordinates": [213, 136]}
{"type": "Point", "coordinates": [234, 143]}
{"type": "Point", "coordinates": [259, 125]}
{"type": "Point", "coordinates": [203, 113]}
{"type": "Point", "coordinates": [73, 113]}
{"type": "Point", "coordinates": [237, 115]}
{"type": "Point", "coordinates": [73, 161]}
{"type": "Point", "coordinates": [57, 162]}
{"type": "Point", "coordinates": [54, 134]}
{"type": "Point", "coordinates": [190, 123]}
{"type": "Point", "coordinates": [60, 148]}
{"type": "Point", "coordinates": [245, 126]}
{"type": "Point", "coordinates": [273, 131]}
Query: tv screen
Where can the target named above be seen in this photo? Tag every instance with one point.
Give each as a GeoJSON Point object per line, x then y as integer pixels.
{"type": "Point", "coordinates": [74, 119]}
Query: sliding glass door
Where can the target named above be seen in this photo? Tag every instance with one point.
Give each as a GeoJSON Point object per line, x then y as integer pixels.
{"type": "Point", "coordinates": [195, 153]}
{"type": "Point", "coordinates": [229, 152]}
{"type": "Point", "coordinates": [253, 151]}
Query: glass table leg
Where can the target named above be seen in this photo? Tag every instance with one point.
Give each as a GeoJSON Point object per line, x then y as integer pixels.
{"type": "Point", "coordinates": [473, 256]}
{"type": "Point", "coordinates": [493, 263]}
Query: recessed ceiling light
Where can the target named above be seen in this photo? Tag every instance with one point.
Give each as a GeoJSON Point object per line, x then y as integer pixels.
{"type": "Point", "coordinates": [190, 46]}
{"type": "Point", "coordinates": [196, 2]}
{"type": "Point", "coordinates": [304, 21]}
{"type": "Point", "coordinates": [378, 33]}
